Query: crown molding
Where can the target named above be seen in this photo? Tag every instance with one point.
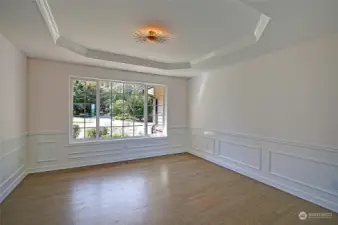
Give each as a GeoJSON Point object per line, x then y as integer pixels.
{"type": "Point", "coordinates": [49, 19]}
{"type": "Point", "coordinates": [72, 46]}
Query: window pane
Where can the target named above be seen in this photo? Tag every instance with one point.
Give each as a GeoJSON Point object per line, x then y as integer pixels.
{"type": "Point", "coordinates": [78, 131]}
{"type": "Point", "coordinates": [127, 92]}
{"type": "Point", "coordinates": [117, 88]}
{"type": "Point", "coordinates": [90, 118]}
{"type": "Point", "coordinates": [155, 111]}
{"type": "Point", "coordinates": [128, 123]}
{"type": "Point", "coordinates": [105, 133]}
{"type": "Point", "coordinates": [135, 103]}
{"type": "Point", "coordinates": [156, 130]}
{"type": "Point", "coordinates": [90, 132]}
{"type": "Point", "coordinates": [139, 129]}
{"type": "Point", "coordinates": [128, 131]}
{"type": "Point", "coordinates": [79, 91]}
{"type": "Point", "coordinates": [105, 93]}
{"type": "Point", "coordinates": [121, 109]}
{"type": "Point", "coordinates": [117, 132]}
{"type": "Point", "coordinates": [90, 91]}
{"type": "Point", "coordinates": [118, 109]}
{"type": "Point", "coordinates": [105, 116]}
{"type": "Point", "coordinates": [78, 112]}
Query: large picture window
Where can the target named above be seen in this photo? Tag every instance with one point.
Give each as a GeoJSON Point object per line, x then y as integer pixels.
{"type": "Point", "coordinates": [103, 110]}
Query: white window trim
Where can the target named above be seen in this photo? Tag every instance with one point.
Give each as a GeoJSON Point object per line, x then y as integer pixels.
{"type": "Point", "coordinates": [72, 141]}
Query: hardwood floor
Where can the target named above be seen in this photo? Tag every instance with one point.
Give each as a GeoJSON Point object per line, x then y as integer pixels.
{"type": "Point", "coordinates": [169, 190]}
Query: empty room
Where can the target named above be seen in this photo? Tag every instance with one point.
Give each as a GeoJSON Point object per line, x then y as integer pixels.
{"type": "Point", "coordinates": [168, 112]}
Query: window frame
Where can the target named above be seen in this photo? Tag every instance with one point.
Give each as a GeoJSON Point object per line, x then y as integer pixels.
{"type": "Point", "coordinates": [145, 111]}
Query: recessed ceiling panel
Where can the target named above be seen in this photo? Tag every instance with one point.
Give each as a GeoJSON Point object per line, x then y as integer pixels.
{"type": "Point", "coordinates": [196, 27]}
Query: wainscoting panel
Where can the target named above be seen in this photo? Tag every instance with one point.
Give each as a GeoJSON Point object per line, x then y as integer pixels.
{"type": "Point", "coordinates": [243, 154]}
{"type": "Point", "coordinates": [12, 164]}
{"type": "Point", "coordinates": [302, 170]}
{"type": "Point", "coordinates": [52, 151]}
{"type": "Point", "coordinates": [307, 171]}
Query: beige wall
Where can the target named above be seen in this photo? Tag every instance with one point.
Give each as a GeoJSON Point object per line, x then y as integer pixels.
{"type": "Point", "coordinates": [12, 90]}
{"type": "Point", "coordinates": [291, 94]}
{"type": "Point", "coordinates": [49, 93]}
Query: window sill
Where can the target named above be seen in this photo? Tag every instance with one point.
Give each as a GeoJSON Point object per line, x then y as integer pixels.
{"type": "Point", "coordinates": [112, 141]}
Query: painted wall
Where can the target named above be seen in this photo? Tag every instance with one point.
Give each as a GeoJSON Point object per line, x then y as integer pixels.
{"type": "Point", "coordinates": [48, 87]}
{"type": "Point", "coordinates": [274, 118]}
{"type": "Point", "coordinates": [12, 116]}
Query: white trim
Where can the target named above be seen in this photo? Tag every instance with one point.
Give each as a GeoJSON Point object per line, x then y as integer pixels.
{"type": "Point", "coordinates": [297, 181]}
{"type": "Point", "coordinates": [13, 185]}
{"type": "Point", "coordinates": [12, 151]}
{"type": "Point", "coordinates": [46, 133]}
{"type": "Point", "coordinates": [273, 140]}
{"type": "Point", "coordinates": [100, 161]}
{"type": "Point", "coordinates": [303, 158]}
{"type": "Point", "coordinates": [260, 149]}
{"type": "Point", "coordinates": [49, 19]}
{"type": "Point", "coordinates": [240, 43]}
{"type": "Point", "coordinates": [4, 141]}
{"type": "Point", "coordinates": [145, 111]}
{"type": "Point", "coordinates": [240, 144]}
{"type": "Point", "coordinates": [45, 142]}
{"type": "Point", "coordinates": [79, 49]}
{"type": "Point", "coordinates": [46, 160]}
{"type": "Point", "coordinates": [114, 80]}
{"type": "Point", "coordinates": [71, 141]}
{"type": "Point", "coordinates": [112, 141]}
{"type": "Point", "coordinates": [98, 107]}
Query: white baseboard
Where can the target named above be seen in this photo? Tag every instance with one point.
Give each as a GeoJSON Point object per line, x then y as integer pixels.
{"type": "Point", "coordinates": [20, 175]}
{"type": "Point", "coordinates": [259, 177]}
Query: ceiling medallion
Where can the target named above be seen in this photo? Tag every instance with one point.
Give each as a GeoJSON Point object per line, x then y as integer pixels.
{"type": "Point", "coordinates": [151, 35]}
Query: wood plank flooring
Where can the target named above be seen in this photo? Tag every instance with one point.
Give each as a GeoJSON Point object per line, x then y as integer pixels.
{"type": "Point", "coordinates": [169, 190]}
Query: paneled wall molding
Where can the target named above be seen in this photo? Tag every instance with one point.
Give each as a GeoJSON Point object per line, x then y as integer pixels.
{"type": "Point", "coordinates": [97, 162]}
{"type": "Point", "coordinates": [16, 173]}
{"type": "Point", "coordinates": [293, 167]}
{"type": "Point", "coordinates": [240, 162]}
{"type": "Point", "coordinates": [6, 189]}
{"type": "Point", "coordinates": [12, 163]}
{"type": "Point", "coordinates": [297, 181]}
{"type": "Point", "coordinates": [300, 157]}
{"type": "Point", "coordinates": [47, 133]}
{"type": "Point", "coordinates": [269, 139]}
{"type": "Point", "coordinates": [4, 141]}
{"type": "Point", "coordinates": [11, 151]}
{"type": "Point", "coordinates": [45, 142]}
{"type": "Point", "coordinates": [241, 144]}
{"type": "Point", "coordinates": [52, 151]}
{"type": "Point", "coordinates": [326, 203]}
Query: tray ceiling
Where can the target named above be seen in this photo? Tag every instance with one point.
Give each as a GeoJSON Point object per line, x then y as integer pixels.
{"type": "Point", "coordinates": [204, 35]}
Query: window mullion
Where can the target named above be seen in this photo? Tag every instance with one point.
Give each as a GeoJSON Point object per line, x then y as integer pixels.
{"type": "Point", "coordinates": [111, 109]}
{"type": "Point", "coordinates": [145, 111]}
{"type": "Point", "coordinates": [123, 112]}
{"type": "Point", "coordinates": [97, 110]}
{"type": "Point", "coordinates": [85, 112]}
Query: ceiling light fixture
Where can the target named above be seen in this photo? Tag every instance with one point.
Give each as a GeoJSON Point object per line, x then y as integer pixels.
{"type": "Point", "coordinates": [152, 35]}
